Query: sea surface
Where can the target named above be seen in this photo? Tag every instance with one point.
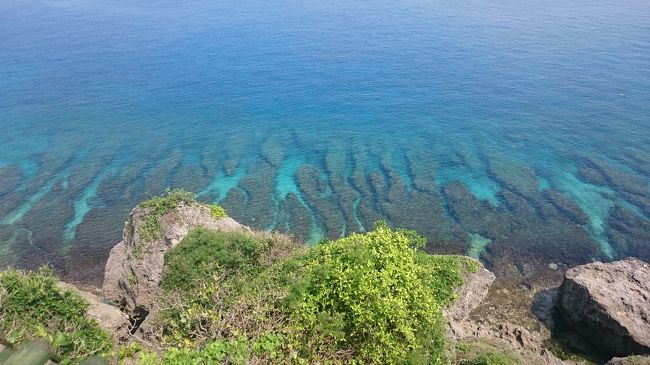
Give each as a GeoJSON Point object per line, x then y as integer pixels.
{"type": "Point", "coordinates": [517, 132]}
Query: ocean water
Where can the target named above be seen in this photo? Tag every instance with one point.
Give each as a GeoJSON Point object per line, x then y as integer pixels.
{"type": "Point", "coordinates": [512, 131]}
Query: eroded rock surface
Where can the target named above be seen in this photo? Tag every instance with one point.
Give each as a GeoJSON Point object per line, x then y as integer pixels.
{"type": "Point", "coordinates": [609, 303]}
{"type": "Point", "coordinates": [135, 265]}
{"type": "Point", "coordinates": [502, 335]}
{"type": "Point", "coordinates": [470, 295]}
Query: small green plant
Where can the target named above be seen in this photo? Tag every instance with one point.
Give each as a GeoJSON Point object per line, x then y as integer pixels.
{"type": "Point", "coordinates": [138, 251]}
{"type": "Point", "coordinates": [129, 351]}
{"type": "Point", "coordinates": [462, 347]}
{"type": "Point", "coordinates": [492, 358]}
{"type": "Point", "coordinates": [32, 305]}
{"type": "Point", "coordinates": [133, 280]}
{"type": "Point", "coordinates": [157, 207]}
{"type": "Point", "coordinates": [217, 211]}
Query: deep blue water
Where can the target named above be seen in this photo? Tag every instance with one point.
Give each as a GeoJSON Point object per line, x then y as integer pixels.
{"type": "Point", "coordinates": [514, 131]}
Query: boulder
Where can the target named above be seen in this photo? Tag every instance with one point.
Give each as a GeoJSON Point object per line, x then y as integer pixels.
{"type": "Point", "coordinates": [609, 303]}
{"type": "Point", "coordinates": [135, 265]}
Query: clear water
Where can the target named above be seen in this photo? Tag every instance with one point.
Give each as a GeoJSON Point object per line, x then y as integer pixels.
{"type": "Point", "coordinates": [509, 130]}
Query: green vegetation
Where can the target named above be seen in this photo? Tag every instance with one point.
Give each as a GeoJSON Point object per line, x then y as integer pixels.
{"type": "Point", "coordinates": [31, 305]}
{"type": "Point", "coordinates": [217, 211]}
{"type": "Point", "coordinates": [242, 297]}
{"type": "Point", "coordinates": [492, 358]}
{"type": "Point", "coordinates": [205, 252]}
{"type": "Point", "coordinates": [248, 297]}
{"type": "Point", "coordinates": [483, 353]}
{"type": "Point", "coordinates": [159, 205]}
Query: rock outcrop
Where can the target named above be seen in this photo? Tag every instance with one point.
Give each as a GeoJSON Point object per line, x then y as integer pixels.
{"type": "Point", "coordinates": [470, 295]}
{"type": "Point", "coordinates": [630, 360]}
{"type": "Point", "coordinates": [135, 265]}
{"type": "Point", "coordinates": [609, 303]}
{"type": "Point", "coordinates": [505, 335]}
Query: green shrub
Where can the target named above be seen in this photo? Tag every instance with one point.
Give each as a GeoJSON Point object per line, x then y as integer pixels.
{"type": "Point", "coordinates": [232, 351]}
{"type": "Point", "coordinates": [218, 283]}
{"type": "Point", "coordinates": [376, 297]}
{"type": "Point", "coordinates": [32, 305]}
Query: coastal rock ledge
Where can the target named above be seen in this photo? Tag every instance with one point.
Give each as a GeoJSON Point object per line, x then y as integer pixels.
{"type": "Point", "coordinates": [609, 303]}
{"type": "Point", "coordinates": [135, 265]}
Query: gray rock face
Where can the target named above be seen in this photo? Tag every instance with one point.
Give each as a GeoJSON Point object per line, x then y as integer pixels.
{"type": "Point", "coordinates": [609, 304]}
{"type": "Point", "coordinates": [135, 265]}
{"type": "Point", "coordinates": [470, 295]}
{"type": "Point", "coordinates": [108, 316]}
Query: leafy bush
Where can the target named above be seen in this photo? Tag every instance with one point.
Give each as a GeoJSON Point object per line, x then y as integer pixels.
{"type": "Point", "coordinates": [376, 297]}
{"type": "Point", "coordinates": [32, 304]}
{"type": "Point", "coordinates": [217, 211]}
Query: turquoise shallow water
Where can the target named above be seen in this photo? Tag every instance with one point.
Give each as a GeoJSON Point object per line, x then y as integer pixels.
{"type": "Point", "coordinates": [512, 132]}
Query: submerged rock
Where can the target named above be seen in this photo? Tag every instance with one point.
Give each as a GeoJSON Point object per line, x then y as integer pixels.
{"type": "Point", "coordinates": [609, 304]}
{"type": "Point", "coordinates": [135, 265]}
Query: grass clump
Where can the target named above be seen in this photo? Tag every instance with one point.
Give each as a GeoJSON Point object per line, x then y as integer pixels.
{"type": "Point", "coordinates": [204, 252]}
{"type": "Point", "coordinates": [217, 211]}
{"type": "Point", "coordinates": [157, 207]}
{"type": "Point", "coordinates": [31, 305]}
{"type": "Point", "coordinates": [492, 358]}
{"type": "Point", "coordinates": [485, 353]}
{"type": "Point", "coordinates": [214, 289]}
